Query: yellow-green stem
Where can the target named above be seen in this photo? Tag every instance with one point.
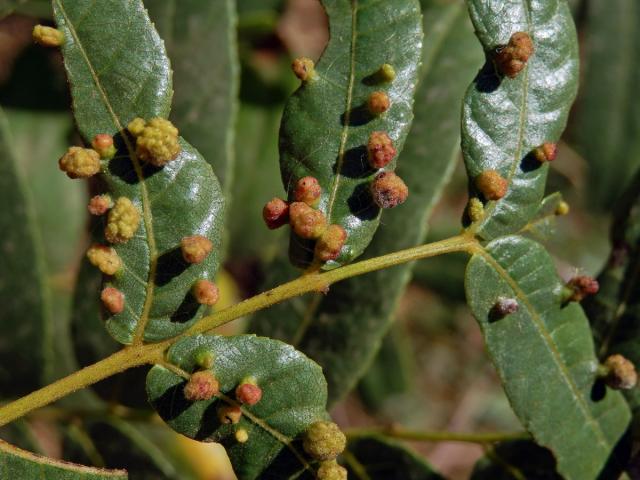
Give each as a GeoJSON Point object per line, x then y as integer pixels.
{"type": "Point", "coordinates": [136, 355]}
{"type": "Point", "coordinates": [422, 436]}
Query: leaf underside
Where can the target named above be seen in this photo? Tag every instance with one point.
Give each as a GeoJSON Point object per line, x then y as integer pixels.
{"type": "Point", "coordinates": [545, 357]}
{"type": "Point", "coordinates": [118, 70]}
{"type": "Point", "coordinates": [294, 396]}
{"type": "Point", "coordinates": [326, 126]}
{"type": "Point", "coordinates": [504, 119]}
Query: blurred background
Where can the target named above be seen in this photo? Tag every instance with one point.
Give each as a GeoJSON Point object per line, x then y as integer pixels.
{"type": "Point", "coordinates": [432, 372]}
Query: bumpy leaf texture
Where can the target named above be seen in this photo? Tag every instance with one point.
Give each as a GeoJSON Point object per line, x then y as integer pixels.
{"type": "Point", "coordinates": [326, 123]}
{"type": "Point", "coordinates": [118, 70]}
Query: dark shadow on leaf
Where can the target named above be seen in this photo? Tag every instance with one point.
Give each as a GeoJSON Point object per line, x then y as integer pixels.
{"type": "Point", "coordinates": [301, 251]}
{"type": "Point", "coordinates": [357, 116]}
{"type": "Point", "coordinates": [620, 459]}
{"type": "Point", "coordinates": [374, 79]}
{"type": "Point", "coordinates": [172, 402]}
{"type": "Point", "coordinates": [210, 423]}
{"type": "Point", "coordinates": [355, 163]}
{"type": "Point", "coordinates": [287, 465]}
{"type": "Point", "coordinates": [122, 167]}
{"type": "Point", "coordinates": [487, 80]}
{"type": "Point", "coordinates": [361, 204]}
{"type": "Point", "coordinates": [598, 390]}
{"type": "Point", "coordinates": [187, 309]}
{"type": "Point", "coordinates": [529, 163]}
{"type": "Point", "coordinates": [170, 265]}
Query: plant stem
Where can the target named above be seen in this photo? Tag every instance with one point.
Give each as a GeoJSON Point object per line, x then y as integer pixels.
{"type": "Point", "coordinates": [420, 436]}
{"type": "Point", "coordinates": [136, 355]}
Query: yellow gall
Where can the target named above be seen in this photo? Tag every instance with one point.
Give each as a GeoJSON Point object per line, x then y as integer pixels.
{"type": "Point", "coordinates": [100, 204]}
{"type": "Point", "coordinates": [112, 299]}
{"type": "Point", "coordinates": [195, 248]}
{"type": "Point", "coordinates": [546, 152]}
{"type": "Point", "coordinates": [378, 103]}
{"type": "Point", "coordinates": [157, 143]}
{"type": "Point", "coordinates": [275, 213]}
{"type": "Point", "coordinates": [324, 441]}
{"type": "Point", "coordinates": [512, 58]}
{"type": "Point", "coordinates": [387, 73]}
{"type": "Point", "coordinates": [242, 435]}
{"type": "Point", "coordinates": [562, 208]}
{"type": "Point", "coordinates": [331, 471]}
{"type": "Point", "coordinates": [308, 190]}
{"type": "Point", "coordinates": [122, 222]}
{"type": "Point", "coordinates": [305, 221]}
{"type": "Point", "coordinates": [103, 144]}
{"type": "Point", "coordinates": [330, 243]}
{"type": "Point", "coordinates": [304, 69]}
{"type": "Point", "coordinates": [47, 36]}
{"type": "Point", "coordinates": [229, 414]}
{"type": "Point", "coordinates": [136, 126]}
{"type": "Point", "coordinates": [492, 185]}
{"type": "Point", "coordinates": [202, 385]}
{"type": "Point", "coordinates": [80, 162]}
{"type": "Point", "coordinates": [475, 210]}
{"type": "Point", "coordinates": [205, 292]}
{"type": "Point", "coordinates": [619, 373]}
{"type": "Point", "coordinates": [380, 150]}
{"type": "Point", "coordinates": [388, 190]}
{"type": "Point", "coordinates": [105, 258]}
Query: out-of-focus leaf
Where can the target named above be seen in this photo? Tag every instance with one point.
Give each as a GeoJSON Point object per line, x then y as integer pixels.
{"type": "Point", "coordinates": [545, 357]}
{"type": "Point", "coordinates": [117, 74]}
{"type": "Point", "coordinates": [200, 38]}
{"type": "Point", "coordinates": [294, 396]}
{"type": "Point", "coordinates": [516, 460]}
{"type": "Point", "coordinates": [383, 459]}
{"type": "Point", "coordinates": [343, 330]}
{"type": "Point", "coordinates": [26, 328]}
{"type": "Point", "coordinates": [504, 119]}
{"type": "Point", "coordinates": [607, 130]}
{"type": "Point", "coordinates": [326, 124]}
{"type": "Point", "coordinates": [17, 463]}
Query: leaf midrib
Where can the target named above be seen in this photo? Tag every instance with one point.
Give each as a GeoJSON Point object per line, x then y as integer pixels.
{"type": "Point", "coordinates": [146, 208]}
{"type": "Point", "coordinates": [549, 342]}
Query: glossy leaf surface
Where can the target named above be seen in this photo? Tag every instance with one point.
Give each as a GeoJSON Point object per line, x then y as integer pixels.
{"type": "Point", "coordinates": [545, 357]}
{"type": "Point", "coordinates": [26, 348]}
{"type": "Point", "coordinates": [359, 310]}
{"type": "Point", "coordinates": [383, 459]}
{"type": "Point", "coordinates": [117, 75]}
{"type": "Point", "coordinates": [504, 119]}
{"type": "Point", "coordinates": [294, 396]}
{"type": "Point", "coordinates": [326, 124]}
{"type": "Point", "coordinates": [17, 463]}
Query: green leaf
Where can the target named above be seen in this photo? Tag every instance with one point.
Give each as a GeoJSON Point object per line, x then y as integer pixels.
{"type": "Point", "coordinates": [26, 351]}
{"type": "Point", "coordinates": [359, 311]}
{"type": "Point", "coordinates": [200, 40]}
{"type": "Point", "coordinates": [378, 458]}
{"type": "Point", "coordinates": [516, 460]}
{"type": "Point", "coordinates": [117, 75]}
{"type": "Point", "coordinates": [543, 225]}
{"type": "Point", "coordinates": [294, 396]}
{"type": "Point", "coordinates": [612, 69]}
{"type": "Point", "coordinates": [545, 357]}
{"type": "Point", "coordinates": [326, 125]}
{"type": "Point", "coordinates": [17, 463]}
{"type": "Point", "coordinates": [505, 119]}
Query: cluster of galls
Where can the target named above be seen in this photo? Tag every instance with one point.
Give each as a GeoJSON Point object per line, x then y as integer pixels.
{"type": "Point", "coordinates": [157, 144]}
{"type": "Point", "coordinates": [324, 441]}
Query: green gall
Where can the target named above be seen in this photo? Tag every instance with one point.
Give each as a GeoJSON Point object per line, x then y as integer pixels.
{"type": "Point", "coordinates": [80, 162]}
{"type": "Point", "coordinates": [205, 292]}
{"type": "Point", "coordinates": [380, 150]}
{"type": "Point", "coordinates": [47, 36]}
{"type": "Point", "coordinates": [304, 69]}
{"type": "Point", "coordinates": [201, 386]}
{"type": "Point", "coordinates": [378, 103]}
{"type": "Point", "coordinates": [105, 258]}
{"type": "Point", "coordinates": [491, 185]}
{"type": "Point", "coordinates": [388, 190]}
{"type": "Point", "coordinates": [195, 248]}
{"type": "Point", "coordinates": [331, 471]}
{"type": "Point", "coordinates": [330, 243]}
{"type": "Point", "coordinates": [112, 299]}
{"type": "Point", "coordinates": [387, 73]}
{"type": "Point", "coordinates": [275, 213]}
{"type": "Point", "coordinates": [305, 221]}
{"type": "Point", "coordinates": [308, 190]}
{"type": "Point", "coordinates": [512, 58]}
{"type": "Point", "coordinates": [123, 221]}
{"type": "Point", "coordinates": [324, 441]}
{"type": "Point", "coordinates": [619, 373]}
{"type": "Point", "coordinates": [204, 358]}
